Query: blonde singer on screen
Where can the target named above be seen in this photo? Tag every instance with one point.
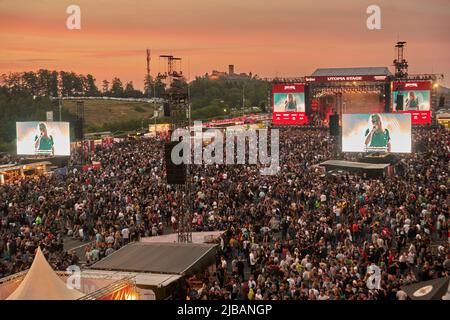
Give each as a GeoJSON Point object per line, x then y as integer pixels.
{"type": "Point", "coordinates": [376, 137]}
{"type": "Point", "coordinates": [43, 142]}
{"type": "Point", "coordinates": [290, 104]}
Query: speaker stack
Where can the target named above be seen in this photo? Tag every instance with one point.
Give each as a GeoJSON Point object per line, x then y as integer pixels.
{"type": "Point", "coordinates": [399, 102]}
{"type": "Point", "coordinates": [176, 173]}
{"type": "Point", "coordinates": [441, 102]}
{"type": "Point", "coordinates": [166, 109]}
{"type": "Point", "coordinates": [334, 125]}
{"type": "Point", "coordinates": [79, 122]}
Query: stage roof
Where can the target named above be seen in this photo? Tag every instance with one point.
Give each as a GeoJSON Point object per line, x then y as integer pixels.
{"type": "Point", "coordinates": [365, 71]}
{"type": "Point", "coordinates": [354, 165]}
{"type": "Point", "coordinates": [168, 258]}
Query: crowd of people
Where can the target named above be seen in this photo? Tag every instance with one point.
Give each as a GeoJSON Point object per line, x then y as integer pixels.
{"type": "Point", "coordinates": [308, 235]}
{"type": "Point", "coordinates": [298, 234]}
{"type": "Point", "coordinates": [107, 207]}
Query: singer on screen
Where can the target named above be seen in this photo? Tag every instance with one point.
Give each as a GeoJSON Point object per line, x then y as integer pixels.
{"type": "Point", "coordinates": [377, 138]}
{"type": "Point", "coordinates": [412, 103]}
{"type": "Point", "coordinates": [290, 104]}
{"type": "Point", "coordinates": [43, 144]}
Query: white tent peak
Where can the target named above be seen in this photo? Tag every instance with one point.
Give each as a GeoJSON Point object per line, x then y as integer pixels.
{"type": "Point", "coordinates": [42, 283]}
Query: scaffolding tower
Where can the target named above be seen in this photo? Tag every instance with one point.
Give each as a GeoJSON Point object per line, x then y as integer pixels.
{"type": "Point", "coordinates": [178, 99]}
{"type": "Point", "coordinates": [400, 63]}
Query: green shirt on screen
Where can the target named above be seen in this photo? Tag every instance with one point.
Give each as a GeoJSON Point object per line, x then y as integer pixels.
{"type": "Point", "coordinates": [379, 139]}
{"type": "Point", "coordinates": [46, 143]}
{"type": "Point", "coordinates": [291, 106]}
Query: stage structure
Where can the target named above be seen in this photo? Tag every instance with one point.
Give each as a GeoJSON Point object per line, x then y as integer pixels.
{"type": "Point", "coordinates": [400, 63]}
{"type": "Point", "coordinates": [368, 169]}
{"type": "Point", "coordinates": [413, 94]}
{"type": "Point", "coordinates": [179, 109]}
{"type": "Point", "coordinates": [355, 90]}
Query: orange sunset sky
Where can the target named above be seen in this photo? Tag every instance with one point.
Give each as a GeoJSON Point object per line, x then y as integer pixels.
{"type": "Point", "coordinates": [267, 37]}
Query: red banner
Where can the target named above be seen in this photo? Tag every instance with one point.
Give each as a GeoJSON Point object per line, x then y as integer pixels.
{"type": "Point", "coordinates": [107, 141]}
{"type": "Point", "coordinates": [289, 118]}
{"type": "Point", "coordinates": [93, 166]}
{"type": "Point", "coordinates": [284, 88]}
{"type": "Point", "coordinates": [419, 117]}
{"type": "Point", "coordinates": [89, 145]}
{"type": "Point", "coordinates": [412, 85]}
{"type": "Point", "coordinates": [250, 118]}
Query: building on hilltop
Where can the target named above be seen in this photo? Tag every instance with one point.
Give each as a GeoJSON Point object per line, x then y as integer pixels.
{"type": "Point", "coordinates": [231, 75]}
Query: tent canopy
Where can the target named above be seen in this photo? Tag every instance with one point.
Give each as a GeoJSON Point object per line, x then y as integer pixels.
{"type": "Point", "coordinates": [435, 289]}
{"type": "Point", "coordinates": [42, 283]}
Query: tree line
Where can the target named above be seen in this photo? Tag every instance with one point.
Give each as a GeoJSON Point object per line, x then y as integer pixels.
{"type": "Point", "coordinates": [48, 83]}
{"type": "Point", "coordinates": [203, 91]}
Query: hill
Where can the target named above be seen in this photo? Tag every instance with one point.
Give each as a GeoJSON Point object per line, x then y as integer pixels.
{"type": "Point", "coordinates": [99, 113]}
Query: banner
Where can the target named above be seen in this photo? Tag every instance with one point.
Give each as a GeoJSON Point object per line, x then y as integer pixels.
{"type": "Point", "coordinates": [93, 166]}
{"type": "Point", "coordinates": [346, 78]}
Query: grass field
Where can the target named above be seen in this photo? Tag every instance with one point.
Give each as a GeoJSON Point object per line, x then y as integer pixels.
{"type": "Point", "coordinates": [99, 112]}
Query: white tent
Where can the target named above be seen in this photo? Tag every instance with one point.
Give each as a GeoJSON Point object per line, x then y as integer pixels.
{"type": "Point", "coordinates": [42, 283]}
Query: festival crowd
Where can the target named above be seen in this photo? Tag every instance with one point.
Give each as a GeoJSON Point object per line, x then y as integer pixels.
{"type": "Point", "coordinates": [300, 234]}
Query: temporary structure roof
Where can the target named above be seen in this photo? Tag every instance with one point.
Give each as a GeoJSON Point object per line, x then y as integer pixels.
{"type": "Point", "coordinates": [364, 71]}
{"type": "Point", "coordinates": [173, 258]}
{"type": "Point", "coordinates": [42, 283]}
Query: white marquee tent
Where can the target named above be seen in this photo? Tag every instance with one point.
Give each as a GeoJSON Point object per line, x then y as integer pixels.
{"type": "Point", "coordinates": [42, 283]}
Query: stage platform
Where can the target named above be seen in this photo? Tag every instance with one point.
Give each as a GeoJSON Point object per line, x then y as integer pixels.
{"type": "Point", "coordinates": [371, 169]}
{"type": "Point", "coordinates": [163, 258]}
{"type": "Point", "coordinates": [382, 158]}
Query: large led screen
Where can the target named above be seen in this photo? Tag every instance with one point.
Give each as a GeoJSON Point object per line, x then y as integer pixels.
{"type": "Point", "coordinates": [289, 104]}
{"type": "Point", "coordinates": [43, 138]}
{"type": "Point", "coordinates": [413, 98]}
{"type": "Point", "coordinates": [376, 132]}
